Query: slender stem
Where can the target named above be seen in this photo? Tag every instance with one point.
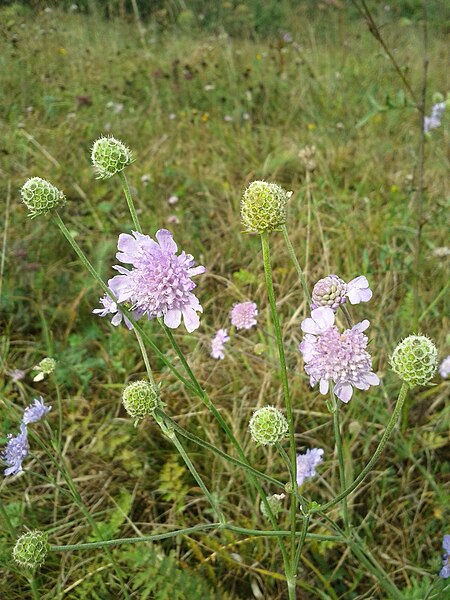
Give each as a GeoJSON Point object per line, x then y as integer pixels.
{"type": "Point", "coordinates": [340, 453]}
{"type": "Point", "coordinates": [130, 203]}
{"type": "Point", "coordinates": [300, 274]}
{"type": "Point", "coordinates": [60, 409]}
{"type": "Point", "coordinates": [303, 534]}
{"type": "Point", "coordinates": [145, 357]}
{"type": "Point", "coordinates": [386, 435]}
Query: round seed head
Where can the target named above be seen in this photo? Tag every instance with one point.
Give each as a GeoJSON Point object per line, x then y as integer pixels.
{"type": "Point", "coordinates": [263, 207]}
{"type": "Point", "coordinates": [268, 426]}
{"type": "Point", "coordinates": [276, 505]}
{"type": "Point", "coordinates": [110, 156]}
{"type": "Point", "coordinates": [415, 360]}
{"type": "Point", "coordinates": [140, 399]}
{"type": "Point", "coordinates": [329, 291]}
{"type": "Point", "coordinates": [31, 549]}
{"type": "Point", "coordinates": [47, 365]}
{"type": "Point", "coordinates": [40, 196]}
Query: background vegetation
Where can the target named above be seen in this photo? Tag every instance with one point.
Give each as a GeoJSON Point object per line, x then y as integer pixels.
{"type": "Point", "coordinates": [210, 96]}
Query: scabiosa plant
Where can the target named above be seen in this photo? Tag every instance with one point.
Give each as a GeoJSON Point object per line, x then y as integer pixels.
{"type": "Point", "coordinates": [36, 411]}
{"type": "Point", "coordinates": [110, 307]}
{"type": "Point", "coordinates": [218, 344]}
{"type": "Point", "coordinates": [263, 207]}
{"type": "Point", "coordinates": [332, 291]}
{"type": "Point", "coordinates": [16, 451]}
{"type": "Point", "coordinates": [140, 399]}
{"type": "Point", "coordinates": [445, 571]}
{"type": "Point", "coordinates": [159, 284]}
{"type": "Point", "coordinates": [307, 463]}
{"type": "Point", "coordinates": [415, 360]}
{"type": "Point", "coordinates": [41, 197]}
{"type": "Point", "coordinates": [110, 156]}
{"type": "Point", "coordinates": [276, 505]}
{"type": "Point", "coordinates": [31, 549]}
{"type": "Point", "coordinates": [341, 358]}
{"type": "Point", "coordinates": [243, 315]}
{"type": "Point", "coordinates": [444, 368]}
{"type": "Point", "coordinates": [268, 426]}
{"type": "Point", "coordinates": [45, 367]}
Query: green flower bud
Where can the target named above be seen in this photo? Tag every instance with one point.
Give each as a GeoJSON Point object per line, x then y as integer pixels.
{"type": "Point", "coordinates": [140, 399]}
{"type": "Point", "coordinates": [31, 549]}
{"type": "Point", "coordinates": [109, 156]}
{"type": "Point", "coordinates": [275, 503]}
{"type": "Point", "coordinates": [263, 207]}
{"type": "Point", "coordinates": [415, 360]}
{"type": "Point", "coordinates": [40, 197]}
{"type": "Point", "coordinates": [268, 426]}
{"type": "Point", "coordinates": [45, 367]}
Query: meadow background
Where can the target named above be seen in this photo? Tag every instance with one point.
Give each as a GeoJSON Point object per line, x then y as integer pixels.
{"type": "Point", "coordinates": [210, 96]}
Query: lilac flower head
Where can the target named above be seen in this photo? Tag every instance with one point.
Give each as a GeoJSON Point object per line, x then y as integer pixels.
{"type": "Point", "coordinates": [434, 120]}
{"type": "Point", "coordinates": [16, 451]}
{"type": "Point", "coordinates": [218, 343]}
{"type": "Point", "coordinates": [338, 357]}
{"type": "Point", "coordinates": [35, 412]}
{"type": "Point", "coordinates": [307, 463]}
{"type": "Point", "coordinates": [159, 284]}
{"type": "Point", "coordinates": [445, 571]}
{"type": "Point", "coordinates": [444, 368]}
{"type": "Point", "coordinates": [332, 291]}
{"type": "Point", "coordinates": [243, 315]}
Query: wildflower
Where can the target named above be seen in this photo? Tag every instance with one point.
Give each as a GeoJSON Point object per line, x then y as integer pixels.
{"type": "Point", "coordinates": [16, 451]}
{"type": "Point", "coordinates": [31, 549]}
{"type": "Point", "coordinates": [275, 503]}
{"type": "Point", "coordinates": [110, 156]}
{"type": "Point", "coordinates": [444, 368]}
{"type": "Point", "coordinates": [160, 284]}
{"type": "Point", "coordinates": [415, 360]}
{"type": "Point", "coordinates": [173, 220]}
{"type": "Point", "coordinates": [332, 291]}
{"type": "Point", "coordinates": [307, 463]}
{"type": "Point", "coordinates": [45, 367]}
{"type": "Point", "coordinates": [173, 199]}
{"type": "Point", "coordinates": [263, 207]}
{"type": "Point", "coordinates": [35, 412]}
{"type": "Point", "coordinates": [434, 120]}
{"type": "Point", "coordinates": [445, 571]}
{"type": "Point", "coordinates": [358, 290]}
{"type": "Point", "coordinates": [268, 426]}
{"type": "Point", "coordinates": [16, 375]}
{"type": "Point", "coordinates": [243, 315]}
{"type": "Point", "coordinates": [140, 399]}
{"type": "Point", "coordinates": [110, 307]}
{"type": "Point", "coordinates": [41, 197]}
{"type": "Point", "coordinates": [338, 357]}
{"type": "Point", "coordinates": [218, 343]}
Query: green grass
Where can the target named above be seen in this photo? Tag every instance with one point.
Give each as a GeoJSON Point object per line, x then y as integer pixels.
{"type": "Point", "coordinates": [59, 72]}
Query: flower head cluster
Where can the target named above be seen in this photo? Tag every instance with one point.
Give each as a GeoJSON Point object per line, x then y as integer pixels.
{"type": "Point", "coordinates": [444, 368]}
{"type": "Point", "coordinates": [415, 360]}
{"type": "Point", "coordinates": [110, 307]}
{"type": "Point", "coordinates": [307, 463]}
{"type": "Point", "coordinates": [243, 315]}
{"type": "Point", "coordinates": [268, 426]}
{"type": "Point", "coordinates": [31, 549]}
{"type": "Point", "coordinates": [434, 120]}
{"type": "Point", "coordinates": [445, 571]}
{"type": "Point", "coordinates": [17, 448]}
{"type": "Point", "coordinates": [332, 356]}
{"type": "Point", "coordinates": [40, 196]}
{"type": "Point", "coordinates": [140, 399]}
{"type": "Point", "coordinates": [332, 291]}
{"type": "Point", "coordinates": [218, 344]}
{"type": "Point", "coordinates": [110, 156]}
{"type": "Point", "coordinates": [263, 207]}
{"type": "Point", "coordinates": [276, 505]}
{"type": "Point", "coordinates": [159, 284]}
{"type": "Point", "coordinates": [45, 367]}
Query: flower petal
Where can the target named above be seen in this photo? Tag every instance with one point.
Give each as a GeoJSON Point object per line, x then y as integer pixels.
{"type": "Point", "coordinates": [324, 386]}
{"type": "Point", "coordinates": [172, 318]}
{"type": "Point", "coordinates": [343, 391]}
{"type": "Point", "coordinates": [165, 240]}
{"type": "Point", "coordinates": [191, 319]}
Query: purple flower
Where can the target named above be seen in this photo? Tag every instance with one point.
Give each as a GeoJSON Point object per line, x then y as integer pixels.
{"type": "Point", "coordinates": [16, 451]}
{"type": "Point", "coordinates": [110, 307]}
{"type": "Point", "coordinates": [307, 463]}
{"type": "Point", "coordinates": [445, 571]}
{"type": "Point", "coordinates": [243, 315]}
{"type": "Point", "coordinates": [35, 412]}
{"type": "Point", "coordinates": [434, 120]}
{"type": "Point", "coordinates": [444, 368]}
{"type": "Point", "coordinates": [358, 290]}
{"type": "Point", "coordinates": [159, 284]}
{"type": "Point", "coordinates": [338, 357]}
{"type": "Point", "coordinates": [218, 344]}
{"type": "Point", "coordinates": [332, 291]}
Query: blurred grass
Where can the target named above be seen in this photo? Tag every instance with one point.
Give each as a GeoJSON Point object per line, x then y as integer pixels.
{"type": "Point", "coordinates": [205, 114]}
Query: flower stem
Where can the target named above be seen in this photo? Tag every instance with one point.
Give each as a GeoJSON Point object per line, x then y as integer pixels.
{"type": "Point", "coordinates": [300, 274]}
{"type": "Point", "coordinates": [130, 202]}
{"type": "Point", "coordinates": [386, 435]}
{"type": "Point", "coordinates": [340, 453]}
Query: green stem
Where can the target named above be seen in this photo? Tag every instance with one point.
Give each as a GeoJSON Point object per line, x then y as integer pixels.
{"type": "Point", "coordinates": [392, 422]}
{"type": "Point", "coordinates": [301, 543]}
{"type": "Point", "coordinates": [297, 266]}
{"type": "Point", "coordinates": [340, 453]}
{"type": "Point", "coordinates": [145, 357]}
{"type": "Point", "coordinates": [284, 378]}
{"type": "Point", "coordinates": [130, 203]}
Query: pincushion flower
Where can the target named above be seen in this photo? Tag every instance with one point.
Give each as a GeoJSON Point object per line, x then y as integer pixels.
{"type": "Point", "coordinates": [445, 571]}
{"type": "Point", "coordinates": [218, 344]}
{"type": "Point", "coordinates": [340, 358]}
{"type": "Point", "coordinates": [110, 307]}
{"type": "Point", "coordinates": [159, 284]}
{"type": "Point", "coordinates": [36, 411]}
{"type": "Point", "coordinates": [16, 451]}
{"type": "Point", "coordinates": [332, 291]}
{"type": "Point", "coordinates": [243, 315]}
{"type": "Point", "coordinates": [307, 463]}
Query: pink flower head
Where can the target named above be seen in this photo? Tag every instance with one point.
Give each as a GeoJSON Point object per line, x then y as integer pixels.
{"type": "Point", "coordinates": [332, 291]}
{"type": "Point", "coordinates": [218, 343]}
{"type": "Point", "coordinates": [159, 284]}
{"type": "Point", "coordinates": [243, 315]}
{"type": "Point", "coordinates": [338, 357]}
{"type": "Point", "coordinates": [358, 290]}
{"type": "Point", "coordinates": [307, 463]}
